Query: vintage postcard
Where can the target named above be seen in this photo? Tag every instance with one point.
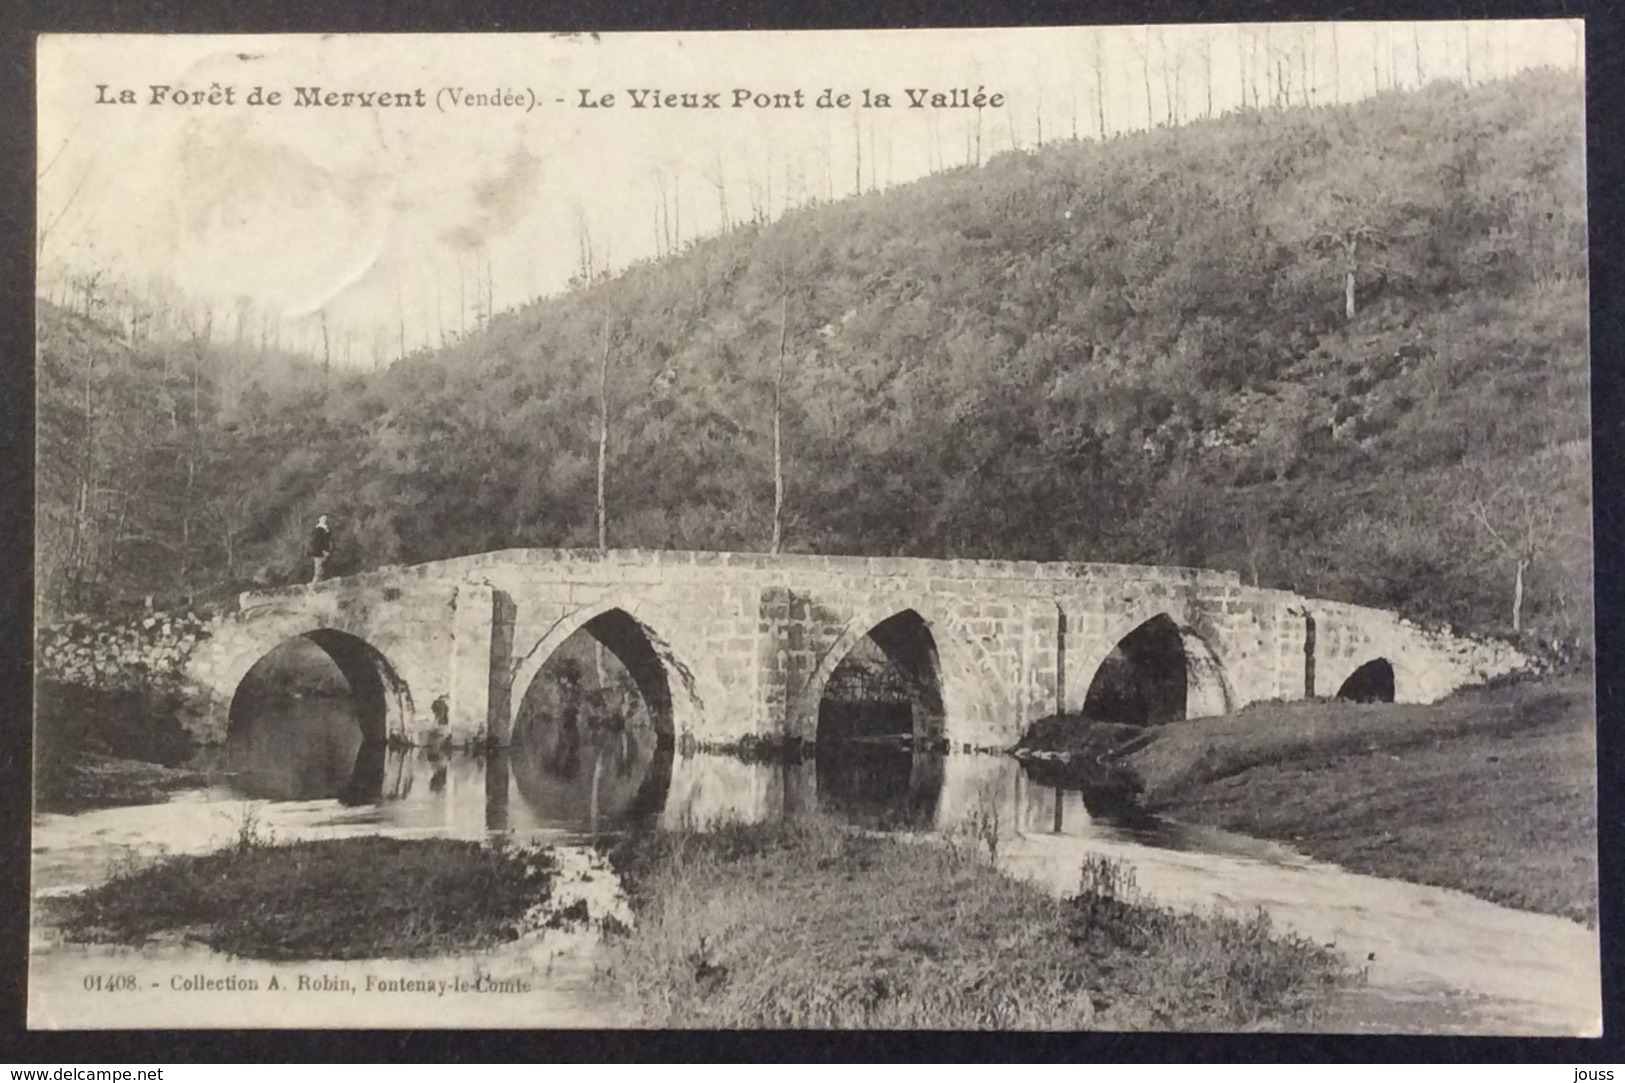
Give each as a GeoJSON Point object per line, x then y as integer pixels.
{"type": "Point", "coordinates": [1077, 528]}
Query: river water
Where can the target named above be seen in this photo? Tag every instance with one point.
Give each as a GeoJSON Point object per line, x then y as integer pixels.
{"type": "Point", "coordinates": [1438, 961]}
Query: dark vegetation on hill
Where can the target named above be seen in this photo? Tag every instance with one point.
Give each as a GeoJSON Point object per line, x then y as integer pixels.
{"type": "Point", "coordinates": [1138, 350]}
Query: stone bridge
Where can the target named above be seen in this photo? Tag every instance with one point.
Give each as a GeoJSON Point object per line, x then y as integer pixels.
{"type": "Point", "coordinates": [724, 646]}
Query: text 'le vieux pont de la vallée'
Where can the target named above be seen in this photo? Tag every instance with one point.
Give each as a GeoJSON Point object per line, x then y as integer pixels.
{"type": "Point", "coordinates": [448, 98]}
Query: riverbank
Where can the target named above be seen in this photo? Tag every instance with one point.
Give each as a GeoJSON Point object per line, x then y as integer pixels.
{"type": "Point", "coordinates": [353, 898]}
{"type": "Point", "coordinates": [92, 781]}
{"type": "Point", "coordinates": [812, 924]}
{"type": "Point", "coordinates": [1491, 792]}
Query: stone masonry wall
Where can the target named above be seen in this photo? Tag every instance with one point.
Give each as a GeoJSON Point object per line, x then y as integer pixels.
{"type": "Point", "coordinates": [747, 640]}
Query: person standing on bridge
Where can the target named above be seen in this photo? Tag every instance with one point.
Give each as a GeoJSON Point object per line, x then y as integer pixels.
{"type": "Point", "coordinates": [321, 547]}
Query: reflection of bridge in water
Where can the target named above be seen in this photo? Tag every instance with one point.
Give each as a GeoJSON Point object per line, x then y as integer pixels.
{"type": "Point", "coordinates": [522, 790]}
{"type": "Point", "coordinates": [723, 646]}
{"type": "Point", "coordinates": [310, 748]}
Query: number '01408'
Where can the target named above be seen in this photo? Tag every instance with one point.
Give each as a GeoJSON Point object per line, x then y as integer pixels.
{"type": "Point", "coordinates": [109, 983]}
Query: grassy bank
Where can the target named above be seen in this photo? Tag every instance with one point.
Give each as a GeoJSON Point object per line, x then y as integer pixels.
{"type": "Point", "coordinates": [355, 898]}
{"type": "Point", "coordinates": [816, 925]}
{"type": "Point", "coordinates": [90, 781]}
{"type": "Point", "coordinates": [1491, 792]}
{"type": "Point", "coordinates": [99, 747]}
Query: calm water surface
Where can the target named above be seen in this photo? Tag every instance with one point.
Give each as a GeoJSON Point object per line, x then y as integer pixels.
{"type": "Point", "coordinates": [1439, 961]}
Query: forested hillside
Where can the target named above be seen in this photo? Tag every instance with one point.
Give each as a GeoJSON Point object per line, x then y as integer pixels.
{"type": "Point", "coordinates": [1338, 349]}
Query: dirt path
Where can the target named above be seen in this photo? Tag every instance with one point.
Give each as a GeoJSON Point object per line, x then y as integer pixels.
{"type": "Point", "coordinates": [1439, 960]}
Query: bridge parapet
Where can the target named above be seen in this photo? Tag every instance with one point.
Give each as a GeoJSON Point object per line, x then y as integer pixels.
{"type": "Point", "coordinates": [744, 642]}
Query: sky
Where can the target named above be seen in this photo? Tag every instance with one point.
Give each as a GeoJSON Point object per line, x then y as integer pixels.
{"type": "Point", "coordinates": [386, 223]}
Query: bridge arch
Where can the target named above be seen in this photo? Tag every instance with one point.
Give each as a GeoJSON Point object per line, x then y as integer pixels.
{"type": "Point", "coordinates": [970, 698]}
{"type": "Point", "coordinates": [1153, 669]}
{"type": "Point", "coordinates": [664, 680]}
{"type": "Point", "coordinates": [383, 700]}
{"type": "Point", "coordinates": [1371, 682]}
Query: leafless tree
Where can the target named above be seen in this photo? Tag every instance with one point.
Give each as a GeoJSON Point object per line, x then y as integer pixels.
{"type": "Point", "coordinates": [603, 440]}
{"type": "Point", "coordinates": [1098, 64]}
{"type": "Point", "coordinates": [46, 226]}
{"type": "Point", "coordinates": [1144, 51]}
{"type": "Point", "coordinates": [857, 153]}
{"type": "Point", "coordinates": [1348, 241]}
{"type": "Point", "coordinates": [1207, 75]}
{"type": "Point", "coordinates": [1171, 91]}
{"type": "Point", "coordinates": [586, 267]}
{"type": "Point", "coordinates": [490, 285]}
{"type": "Point", "coordinates": [327, 355]}
{"type": "Point", "coordinates": [1243, 68]}
{"type": "Point", "coordinates": [719, 181]}
{"type": "Point", "coordinates": [873, 157]}
{"type": "Point", "coordinates": [400, 319]}
{"type": "Point", "coordinates": [1526, 522]}
{"type": "Point", "coordinates": [1337, 68]}
{"type": "Point", "coordinates": [1376, 60]}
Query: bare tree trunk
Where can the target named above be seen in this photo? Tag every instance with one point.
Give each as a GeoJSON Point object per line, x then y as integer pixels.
{"type": "Point", "coordinates": [1337, 69]}
{"type": "Point", "coordinates": [191, 468]}
{"type": "Point", "coordinates": [81, 535]}
{"type": "Point", "coordinates": [1311, 77]}
{"type": "Point", "coordinates": [1517, 595]}
{"type": "Point", "coordinates": [1145, 76]}
{"type": "Point", "coordinates": [439, 310]}
{"type": "Point", "coordinates": [857, 154]}
{"type": "Point", "coordinates": [1241, 62]}
{"type": "Point", "coordinates": [1174, 91]}
{"type": "Point", "coordinates": [1207, 72]}
{"type": "Point", "coordinates": [490, 289]}
{"type": "Point", "coordinates": [1100, 93]}
{"type": "Point", "coordinates": [603, 439]}
{"type": "Point", "coordinates": [1349, 248]}
{"type": "Point", "coordinates": [722, 196]}
{"type": "Point", "coordinates": [1272, 74]}
{"type": "Point", "coordinates": [778, 440]}
{"type": "Point", "coordinates": [327, 357]}
{"type": "Point", "coordinates": [1376, 62]}
{"type": "Point", "coordinates": [767, 186]}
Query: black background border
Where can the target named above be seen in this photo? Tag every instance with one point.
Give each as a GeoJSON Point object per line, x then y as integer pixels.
{"type": "Point", "coordinates": [18, 28]}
